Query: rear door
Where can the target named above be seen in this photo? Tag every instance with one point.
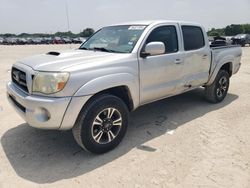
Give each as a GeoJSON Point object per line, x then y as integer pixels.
{"type": "Point", "coordinates": [197, 59]}
{"type": "Point", "coordinates": [160, 75]}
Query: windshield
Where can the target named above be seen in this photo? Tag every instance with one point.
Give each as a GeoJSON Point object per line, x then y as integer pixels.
{"type": "Point", "coordinates": [119, 39]}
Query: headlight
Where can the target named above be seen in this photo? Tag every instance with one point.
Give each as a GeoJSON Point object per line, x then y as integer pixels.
{"type": "Point", "coordinates": [49, 82]}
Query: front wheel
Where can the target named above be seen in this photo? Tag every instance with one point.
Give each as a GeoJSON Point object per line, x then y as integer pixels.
{"type": "Point", "coordinates": [217, 91]}
{"type": "Point", "coordinates": [102, 124]}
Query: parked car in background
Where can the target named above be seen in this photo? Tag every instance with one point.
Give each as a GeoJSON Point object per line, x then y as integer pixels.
{"type": "Point", "coordinates": [79, 40]}
{"type": "Point", "coordinates": [58, 40]}
{"type": "Point", "coordinates": [29, 40]}
{"type": "Point", "coordinates": [37, 40]}
{"type": "Point", "coordinates": [91, 90]}
{"type": "Point", "coordinates": [34, 40]}
{"type": "Point", "coordinates": [67, 40]}
{"type": "Point", "coordinates": [241, 39]}
{"type": "Point", "coordinates": [76, 40]}
{"type": "Point", "coordinates": [1, 40]}
{"type": "Point", "coordinates": [4, 42]}
{"type": "Point", "coordinates": [11, 41]}
{"type": "Point", "coordinates": [41, 40]}
{"type": "Point", "coordinates": [21, 41]}
{"type": "Point", "coordinates": [83, 39]}
{"type": "Point", "coordinates": [47, 40]}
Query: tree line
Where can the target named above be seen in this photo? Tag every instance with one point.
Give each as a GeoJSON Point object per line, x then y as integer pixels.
{"type": "Point", "coordinates": [230, 30]}
{"type": "Point", "coordinates": [85, 33]}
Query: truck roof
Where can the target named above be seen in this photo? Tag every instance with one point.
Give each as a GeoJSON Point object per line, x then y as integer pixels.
{"type": "Point", "coordinates": [155, 22]}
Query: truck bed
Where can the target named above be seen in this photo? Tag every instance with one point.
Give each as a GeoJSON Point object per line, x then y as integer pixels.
{"type": "Point", "coordinates": [225, 54]}
{"type": "Point", "coordinates": [223, 47]}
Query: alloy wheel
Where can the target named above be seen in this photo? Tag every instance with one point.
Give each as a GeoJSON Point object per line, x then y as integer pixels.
{"type": "Point", "coordinates": [106, 126]}
{"type": "Point", "coordinates": [222, 87]}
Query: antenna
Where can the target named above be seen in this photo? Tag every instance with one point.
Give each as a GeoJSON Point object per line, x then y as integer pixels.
{"type": "Point", "coordinates": [67, 14]}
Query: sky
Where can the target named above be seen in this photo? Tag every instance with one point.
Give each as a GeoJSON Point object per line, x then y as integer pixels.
{"type": "Point", "coordinates": [49, 16]}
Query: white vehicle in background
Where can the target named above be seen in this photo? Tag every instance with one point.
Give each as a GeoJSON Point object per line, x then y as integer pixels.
{"type": "Point", "coordinates": [241, 39]}
{"type": "Point", "coordinates": [92, 89]}
{"type": "Point", "coordinates": [1, 40]}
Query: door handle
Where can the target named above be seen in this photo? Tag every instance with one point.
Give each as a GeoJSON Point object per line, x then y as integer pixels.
{"type": "Point", "coordinates": [204, 56]}
{"type": "Point", "coordinates": [178, 61]}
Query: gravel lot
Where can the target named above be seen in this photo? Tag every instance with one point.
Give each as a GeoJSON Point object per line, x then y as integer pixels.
{"type": "Point", "coordinates": [182, 141]}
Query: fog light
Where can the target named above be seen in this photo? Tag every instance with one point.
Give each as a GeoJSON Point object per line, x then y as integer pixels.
{"type": "Point", "coordinates": [42, 114]}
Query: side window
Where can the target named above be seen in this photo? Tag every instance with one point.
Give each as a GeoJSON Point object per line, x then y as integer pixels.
{"type": "Point", "coordinates": [167, 35]}
{"type": "Point", "coordinates": [193, 38]}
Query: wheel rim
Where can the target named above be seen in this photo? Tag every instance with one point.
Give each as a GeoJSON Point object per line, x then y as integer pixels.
{"type": "Point", "coordinates": [106, 126]}
{"type": "Point", "coordinates": [222, 87]}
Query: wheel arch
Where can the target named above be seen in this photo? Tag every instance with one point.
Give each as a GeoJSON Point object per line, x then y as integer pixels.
{"type": "Point", "coordinates": [121, 92]}
{"type": "Point", "coordinates": [227, 66]}
{"type": "Point", "coordinates": [123, 85]}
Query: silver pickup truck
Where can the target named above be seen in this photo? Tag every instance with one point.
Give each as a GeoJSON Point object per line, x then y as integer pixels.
{"type": "Point", "coordinates": [92, 89]}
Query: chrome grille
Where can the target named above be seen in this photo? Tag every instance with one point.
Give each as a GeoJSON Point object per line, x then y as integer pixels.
{"type": "Point", "coordinates": [19, 78]}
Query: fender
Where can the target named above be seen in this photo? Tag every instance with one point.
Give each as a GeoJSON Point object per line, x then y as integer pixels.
{"type": "Point", "coordinates": [109, 81]}
{"type": "Point", "coordinates": [216, 69]}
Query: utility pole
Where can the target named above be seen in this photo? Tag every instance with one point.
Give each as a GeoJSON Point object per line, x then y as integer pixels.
{"type": "Point", "coordinates": [67, 14]}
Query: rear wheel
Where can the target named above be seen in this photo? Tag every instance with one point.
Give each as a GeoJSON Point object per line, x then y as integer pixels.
{"type": "Point", "coordinates": [216, 92]}
{"type": "Point", "coordinates": [102, 124]}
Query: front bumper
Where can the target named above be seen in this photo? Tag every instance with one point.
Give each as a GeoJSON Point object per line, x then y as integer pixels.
{"type": "Point", "coordinates": [46, 112]}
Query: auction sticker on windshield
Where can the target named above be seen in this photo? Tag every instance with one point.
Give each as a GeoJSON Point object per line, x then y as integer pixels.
{"type": "Point", "coordinates": [137, 27]}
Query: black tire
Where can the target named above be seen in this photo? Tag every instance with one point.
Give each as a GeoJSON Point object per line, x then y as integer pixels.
{"type": "Point", "coordinates": [216, 92]}
{"type": "Point", "coordinates": [85, 126]}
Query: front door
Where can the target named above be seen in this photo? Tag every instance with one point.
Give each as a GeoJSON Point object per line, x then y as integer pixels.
{"type": "Point", "coordinates": [161, 75]}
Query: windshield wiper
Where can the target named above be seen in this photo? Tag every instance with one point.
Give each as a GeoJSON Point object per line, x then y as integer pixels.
{"type": "Point", "coordinates": [84, 48]}
{"type": "Point", "coordinates": [103, 49]}
{"type": "Point", "coordinates": [100, 49]}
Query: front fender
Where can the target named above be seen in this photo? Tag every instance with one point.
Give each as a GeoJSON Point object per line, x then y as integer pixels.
{"type": "Point", "coordinates": [110, 81]}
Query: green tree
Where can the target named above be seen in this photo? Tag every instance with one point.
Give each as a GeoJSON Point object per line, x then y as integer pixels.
{"type": "Point", "coordinates": [87, 32]}
{"type": "Point", "coordinates": [216, 32]}
{"type": "Point", "coordinates": [65, 34]}
{"type": "Point", "coordinates": [247, 28]}
{"type": "Point", "coordinates": [6, 35]}
{"type": "Point", "coordinates": [234, 29]}
{"type": "Point", "coordinates": [24, 35]}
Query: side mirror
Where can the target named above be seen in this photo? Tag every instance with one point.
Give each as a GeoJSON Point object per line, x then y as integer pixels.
{"type": "Point", "coordinates": [153, 48]}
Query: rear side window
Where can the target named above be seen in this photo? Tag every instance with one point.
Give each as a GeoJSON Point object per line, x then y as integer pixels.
{"type": "Point", "coordinates": [167, 35]}
{"type": "Point", "coordinates": [193, 38]}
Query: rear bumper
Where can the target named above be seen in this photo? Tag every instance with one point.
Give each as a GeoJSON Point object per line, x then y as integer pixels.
{"type": "Point", "coordinates": [45, 112]}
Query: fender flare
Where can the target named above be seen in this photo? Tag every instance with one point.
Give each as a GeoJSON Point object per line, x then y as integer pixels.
{"type": "Point", "coordinates": [217, 69]}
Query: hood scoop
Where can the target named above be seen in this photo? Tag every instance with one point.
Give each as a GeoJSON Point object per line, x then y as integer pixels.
{"type": "Point", "coordinates": [53, 53]}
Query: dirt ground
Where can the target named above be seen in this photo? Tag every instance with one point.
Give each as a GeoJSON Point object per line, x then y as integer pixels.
{"type": "Point", "coordinates": [180, 142]}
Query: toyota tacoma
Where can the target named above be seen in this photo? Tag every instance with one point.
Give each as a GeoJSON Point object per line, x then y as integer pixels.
{"type": "Point", "coordinates": [92, 89]}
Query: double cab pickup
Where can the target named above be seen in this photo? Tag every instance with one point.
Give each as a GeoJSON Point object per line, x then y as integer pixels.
{"type": "Point", "coordinates": [92, 89]}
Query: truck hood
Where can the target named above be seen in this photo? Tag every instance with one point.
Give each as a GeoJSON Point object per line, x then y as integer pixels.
{"type": "Point", "coordinates": [58, 61]}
